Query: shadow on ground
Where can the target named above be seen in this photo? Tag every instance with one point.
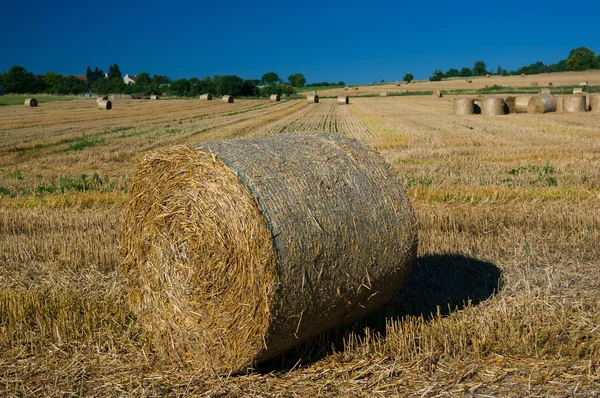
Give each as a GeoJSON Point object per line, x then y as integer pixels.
{"type": "Point", "coordinates": [444, 283]}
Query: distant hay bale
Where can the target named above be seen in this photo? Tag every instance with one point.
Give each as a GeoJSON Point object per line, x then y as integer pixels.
{"type": "Point", "coordinates": [356, 88]}
{"type": "Point", "coordinates": [469, 81]}
{"type": "Point", "coordinates": [464, 106]}
{"type": "Point", "coordinates": [383, 94]}
{"type": "Point", "coordinates": [206, 97]}
{"type": "Point", "coordinates": [31, 102]}
{"type": "Point", "coordinates": [575, 103]}
{"type": "Point", "coordinates": [412, 81]}
{"type": "Point", "coordinates": [398, 83]}
{"type": "Point", "coordinates": [154, 97]}
{"type": "Point", "coordinates": [103, 98]}
{"type": "Point", "coordinates": [436, 94]}
{"type": "Point", "coordinates": [346, 88]}
{"type": "Point", "coordinates": [585, 83]}
{"type": "Point", "coordinates": [239, 250]}
{"type": "Point", "coordinates": [313, 98]}
{"type": "Point", "coordinates": [534, 84]}
{"type": "Point", "coordinates": [487, 75]}
{"type": "Point", "coordinates": [227, 98]}
{"type": "Point", "coordinates": [544, 91]}
{"type": "Point", "coordinates": [493, 106]}
{"type": "Point", "coordinates": [274, 98]}
{"type": "Point", "coordinates": [542, 103]}
{"type": "Point", "coordinates": [522, 74]}
{"type": "Point", "coordinates": [594, 103]}
{"type": "Point", "coordinates": [105, 105]}
{"type": "Point", "coordinates": [560, 103]}
{"type": "Point", "coordinates": [550, 84]}
{"type": "Point", "coordinates": [577, 90]}
{"type": "Point", "coordinates": [343, 100]}
{"type": "Point", "coordinates": [314, 92]}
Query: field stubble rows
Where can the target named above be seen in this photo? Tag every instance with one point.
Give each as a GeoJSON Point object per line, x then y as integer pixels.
{"type": "Point", "coordinates": [509, 220]}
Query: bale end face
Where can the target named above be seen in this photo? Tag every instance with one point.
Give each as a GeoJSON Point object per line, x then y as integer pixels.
{"type": "Point", "coordinates": [227, 98]}
{"type": "Point", "coordinates": [31, 102]}
{"type": "Point", "coordinates": [343, 100]}
{"type": "Point", "coordinates": [274, 98]}
{"type": "Point", "coordinates": [105, 105]}
{"type": "Point", "coordinates": [312, 98]}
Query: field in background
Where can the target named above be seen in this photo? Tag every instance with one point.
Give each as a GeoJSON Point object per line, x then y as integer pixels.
{"type": "Point", "coordinates": [20, 99]}
{"type": "Point", "coordinates": [509, 225]}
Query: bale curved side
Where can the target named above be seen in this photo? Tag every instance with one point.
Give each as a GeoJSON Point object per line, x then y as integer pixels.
{"type": "Point", "coordinates": [227, 98]}
{"type": "Point", "coordinates": [274, 98]}
{"type": "Point", "coordinates": [313, 98]}
{"type": "Point", "coordinates": [343, 100]}
{"type": "Point", "coordinates": [493, 106]}
{"type": "Point", "coordinates": [242, 249]}
{"type": "Point", "coordinates": [594, 104]}
{"type": "Point", "coordinates": [31, 102]}
{"type": "Point", "coordinates": [464, 106]}
{"type": "Point", "coordinates": [542, 103]}
{"type": "Point", "coordinates": [206, 97]}
{"type": "Point", "coordinates": [575, 103]}
{"type": "Point", "coordinates": [383, 94]}
{"type": "Point", "coordinates": [560, 103]}
{"type": "Point", "coordinates": [105, 105]}
{"type": "Point", "coordinates": [154, 97]}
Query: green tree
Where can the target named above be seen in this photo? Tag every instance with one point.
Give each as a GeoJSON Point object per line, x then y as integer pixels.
{"type": "Point", "coordinates": [296, 80]}
{"type": "Point", "coordinates": [582, 58]}
{"type": "Point", "coordinates": [408, 77]}
{"type": "Point", "coordinates": [114, 72]}
{"type": "Point", "coordinates": [479, 68]}
{"type": "Point", "coordinates": [230, 85]}
{"type": "Point", "coordinates": [101, 87]}
{"type": "Point", "coordinates": [250, 88]}
{"type": "Point", "coordinates": [437, 76]}
{"type": "Point", "coordinates": [466, 72]}
{"type": "Point", "coordinates": [179, 87]}
{"type": "Point", "coordinates": [452, 73]}
{"type": "Point", "coordinates": [18, 80]}
{"type": "Point", "coordinates": [116, 85]}
{"type": "Point", "coordinates": [52, 81]}
{"type": "Point", "coordinates": [270, 78]}
{"type": "Point", "coordinates": [142, 83]}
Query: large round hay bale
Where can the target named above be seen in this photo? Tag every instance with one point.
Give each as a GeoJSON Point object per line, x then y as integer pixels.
{"type": "Point", "coordinates": [560, 103]}
{"type": "Point", "coordinates": [227, 98]}
{"type": "Point", "coordinates": [206, 97]}
{"type": "Point", "coordinates": [313, 98]}
{"type": "Point", "coordinates": [343, 100]}
{"type": "Point", "coordinates": [587, 99]}
{"type": "Point", "coordinates": [487, 75]}
{"type": "Point", "coordinates": [575, 103]}
{"type": "Point", "coordinates": [493, 106]}
{"type": "Point", "coordinates": [469, 81]}
{"type": "Point", "coordinates": [240, 250]}
{"type": "Point", "coordinates": [102, 98]}
{"type": "Point", "coordinates": [31, 102]}
{"type": "Point", "coordinates": [517, 104]}
{"type": "Point", "coordinates": [464, 106]}
{"type": "Point", "coordinates": [436, 94]}
{"type": "Point", "coordinates": [383, 94]}
{"type": "Point", "coordinates": [584, 83]}
{"type": "Point", "coordinates": [154, 97]}
{"type": "Point", "coordinates": [542, 103]}
{"type": "Point", "coordinates": [577, 90]}
{"type": "Point", "coordinates": [274, 98]}
{"type": "Point", "coordinates": [594, 103]}
{"type": "Point", "coordinates": [105, 105]}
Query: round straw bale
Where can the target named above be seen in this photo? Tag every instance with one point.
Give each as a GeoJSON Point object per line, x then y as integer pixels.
{"type": "Point", "coordinates": [356, 88]}
{"type": "Point", "coordinates": [383, 94]}
{"type": "Point", "coordinates": [103, 98]}
{"type": "Point", "coordinates": [575, 103]}
{"type": "Point", "coordinates": [398, 83]}
{"type": "Point", "coordinates": [522, 74]}
{"type": "Point", "coordinates": [206, 97]}
{"type": "Point", "coordinates": [313, 98]}
{"type": "Point", "coordinates": [594, 103]}
{"type": "Point", "coordinates": [534, 84]}
{"type": "Point", "coordinates": [343, 100]}
{"type": "Point", "coordinates": [550, 84]}
{"type": "Point", "coordinates": [493, 106]}
{"type": "Point", "coordinates": [584, 83]}
{"type": "Point", "coordinates": [314, 92]}
{"type": "Point", "coordinates": [464, 106]}
{"type": "Point", "coordinates": [436, 94]}
{"type": "Point", "coordinates": [487, 75]}
{"type": "Point", "coordinates": [469, 81]}
{"type": "Point", "coordinates": [542, 103]}
{"type": "Point", "coordinates": [587, 99]}
{"type": "Point", "coordinates": [518, 104]}
{"type": "Point", "coordinates": [240, 250]}
{"type": "Point", "coordinates": [154, 97]}
{"type": "Point", "coordinates": [274, 98]}
{"type": "Point", "coordinates": [560, 103]}
{"type": "Point", "coordinates": [105, 104]}
{"type": "Point", "coordinates": [577, 90]}
{"type": "Point", "coordinates": [31, 102]}
{"type": "Point", "coordinates": [227, 98]}
{"type": "Point", "coordinates": [346, 88]}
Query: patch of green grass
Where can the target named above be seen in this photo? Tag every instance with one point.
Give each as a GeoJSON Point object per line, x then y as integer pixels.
{"type": "Point", "coordinates": [7, 100]}
{"type": "Point", "coordinates": [81, 143]}
{"type": "Point", "coordinates": [411, 181]}
{"type": "Point", "coordinates": [15, 175]}
{"type": "Point", "coordinates": [318, 88]}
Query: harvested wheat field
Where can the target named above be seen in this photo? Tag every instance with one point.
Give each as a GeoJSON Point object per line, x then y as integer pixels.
{"type": "Point", "coordinates": [502, 300]}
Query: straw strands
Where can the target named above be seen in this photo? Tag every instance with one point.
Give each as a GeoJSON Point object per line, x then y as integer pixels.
{"type": "Point", "coordinates": [227, 98]}
{"type": "Point", "coordinates": [274, 98]}
{"type": "Point", "coordinates": [464, 106]}
{"type": "Point", "coordinates": [103, 98]}
{"type": "Point", "coordinates": [560, 103]}
{"type": "Point", "coordinates": [313, 98]}
{"type": "Point", "coordinates": [154, 97]}
{"type": "Point", "coordinates": [517, 104]}
{"type": "Point", "coordinates": [383, 94]}
{"type": "Point", "coordinates": [240, 250]}
{"type": "Point", "coordinates": [206, 97]}
{"type": "Point", "coordinates": [343, 100]}
{"type": "Point", "coordinates": [493, 106]}
{"type": "Point", "coordinates": [436, 94]}
{"type": "Point", "coordinates": [31, 102]}
{"type": "Point", "coordinates": [575, 103]}
{"type": "Point", "coordinates": [105, 105]}
{"type": "Point", "coordinates": [577, 90]}
{"type": "Point", "coordinates": [594, 103]}
{"type": "Point", "coordinates": [542, 103]}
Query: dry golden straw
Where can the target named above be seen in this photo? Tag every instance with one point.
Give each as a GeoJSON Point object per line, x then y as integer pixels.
{"type": "Point", "coordinates": [240, 250]}
{"type": "Point", "coordinates": [383, 94]}
{"type": "Point", "coordinates": [343, 100]}
{"type": "Point", "coordinates": [544, 91]}
{"type": "Point", "coordinates": [560, 103]}
{"type": "Point", "coordinates": [436, 94]}
{"type": "Point", "coordinates": [534, 84]}
{"type": "Point", "coordinates": [493, 106]}
{"type": "Point", "coordinates": [542, 103]}
{"type": "Point", "coordinates": [103, 98]}
{"type": "Point", "coordinates": [206, 97]}
{"type": "Point", "coordinates": [577, 90]}
{"type": "Point", "coordinates": [227, 98]}
{"type": "Point", "coordinates": [154, 97]}
{"type": "Point", "coordinates": [105, 105]}
{"type": "Point", "coordinates": [594, 103]}
{"type": "Point", "coordinates": [575, 103]}
{"type": "Point", "coordinates": [587, 99]}
{"type": "Point", "coordinates": [313, 98]}
{"type": "Point", "coordinates": [274, 98]}
{"type": "Point", "coordinates": [517, 104]}
{"type": "Point", "coordinates": [464, 106]}
{"type": "Point", "coordinates": [31, 102]}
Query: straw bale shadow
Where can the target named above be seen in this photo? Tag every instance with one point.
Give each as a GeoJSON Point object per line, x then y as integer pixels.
{"type": "Point", "coordinates": [441, 282]}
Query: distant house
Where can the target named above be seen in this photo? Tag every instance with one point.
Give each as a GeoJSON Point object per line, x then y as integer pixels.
{"type": "Point", "coordinates": [83, 78]}
{"type": "Point", "coordinates": [129, 79]}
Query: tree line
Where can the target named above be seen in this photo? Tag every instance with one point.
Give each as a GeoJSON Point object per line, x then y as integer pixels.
{"type": "Point", "coordinates": [19, 80]}
{"type": "Point", "coordinates": [579, 59]}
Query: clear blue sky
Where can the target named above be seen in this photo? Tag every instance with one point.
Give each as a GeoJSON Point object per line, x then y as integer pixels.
{"type": "Point", "coordinates": [354, 41]}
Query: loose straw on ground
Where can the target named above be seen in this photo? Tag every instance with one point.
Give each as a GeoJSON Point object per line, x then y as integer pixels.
{"type": "Point", "coordinates": [237, 251]}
